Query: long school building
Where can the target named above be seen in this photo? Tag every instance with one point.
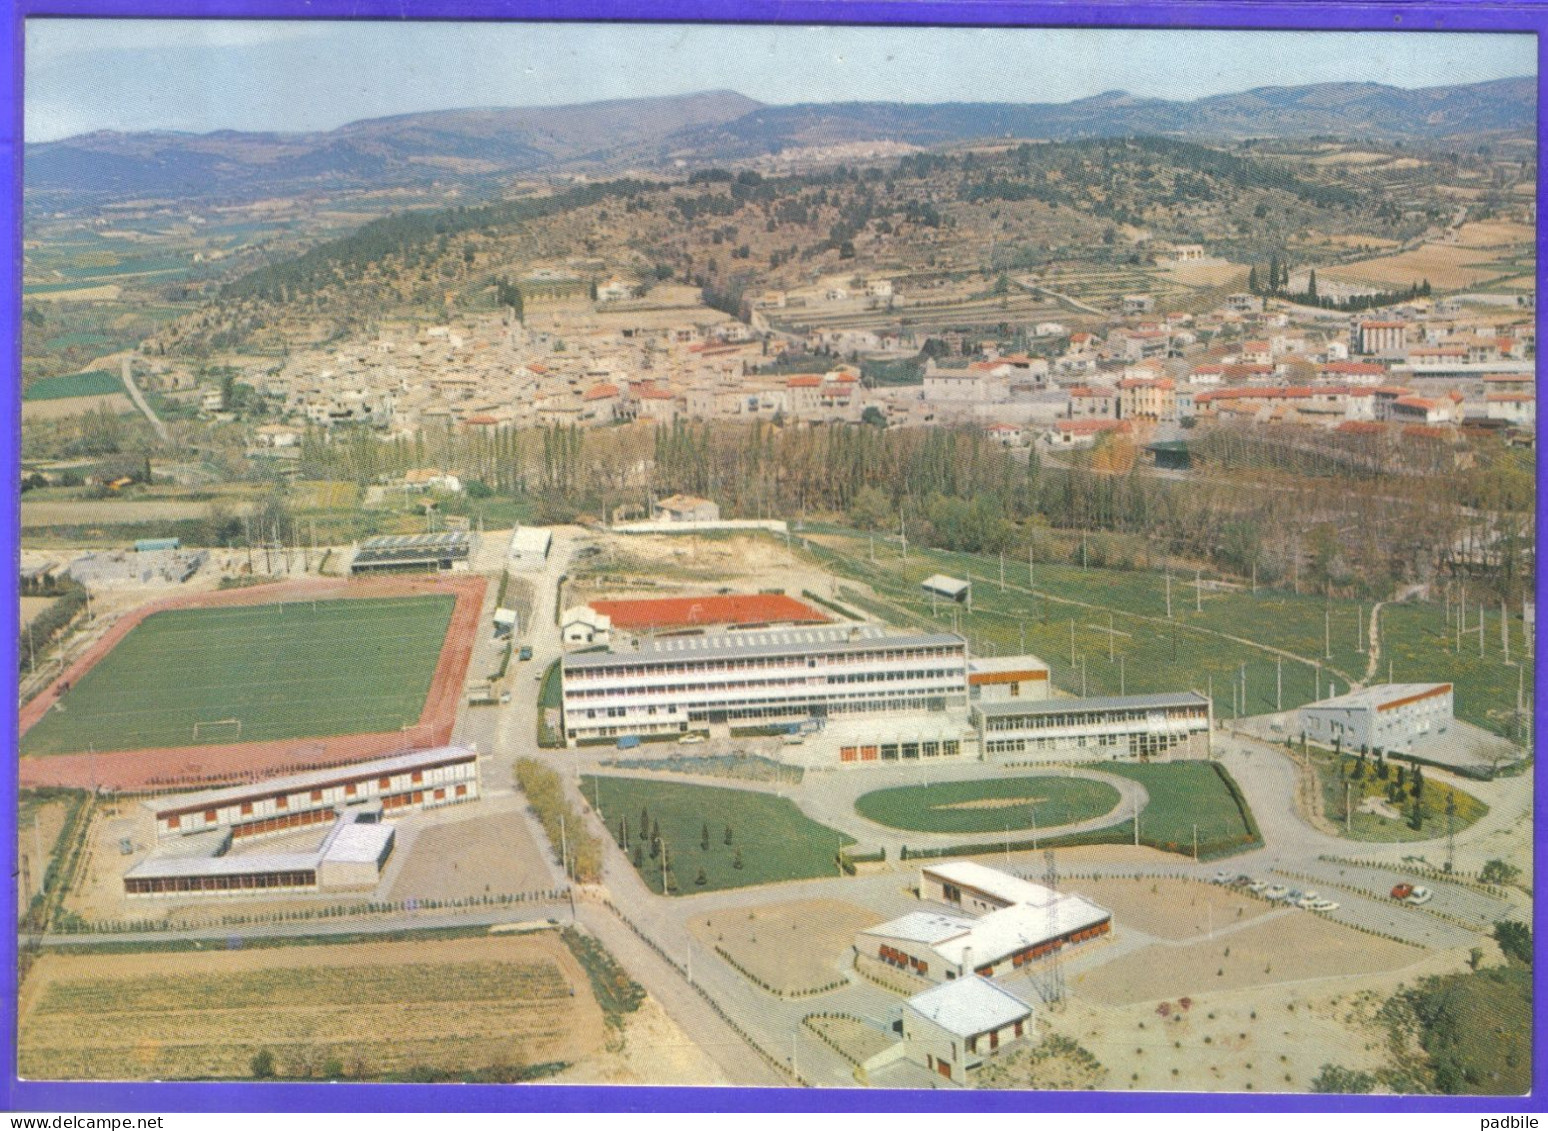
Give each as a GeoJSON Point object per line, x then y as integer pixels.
{"type": "Point", "coordinates": [1128, 726]}
{"type": "Point", "coordinates": [441, 775]}
{"type": "Point", "coordinates": [675, 684]}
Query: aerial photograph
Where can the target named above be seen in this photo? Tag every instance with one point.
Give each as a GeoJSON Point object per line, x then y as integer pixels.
{"type": "Point", "coordinates": [777, 556]}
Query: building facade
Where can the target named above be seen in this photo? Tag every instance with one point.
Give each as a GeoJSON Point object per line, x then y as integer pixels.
{"type": "Point", "coordinates": [1392, 716]}
{"type": "Point", "coordinates": [676, 683]}
{"type": "Point", "coordinates": [1132, 726]}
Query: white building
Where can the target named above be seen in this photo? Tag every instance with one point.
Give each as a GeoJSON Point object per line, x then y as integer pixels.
{"type": "Point", "coordinates": [530, 546]}
{"type": "Point", "coordinates": [1392, 716]}
{"type": "Point", "coordinates": [952, 1028]}
{"type": "Point", "coordinates": [584, 625]}
{"type": "Point", "coordinates": [1003, 679]}
{"type": "Point", "coordinates": [1129, 726]}
{"type": "Point", "coordinates": [753, 677]}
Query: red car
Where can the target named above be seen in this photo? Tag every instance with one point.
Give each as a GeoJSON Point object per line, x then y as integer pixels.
{"type": "Point", "coordinates": [1402, 891]}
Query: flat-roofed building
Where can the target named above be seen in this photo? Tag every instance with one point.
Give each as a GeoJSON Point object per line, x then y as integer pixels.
{"type": "Point", "coordinates": [1392, 716]}
{"type": "Point", "coordinates": [410, 553]}
{"type": "Point", "coordinates": [420, 779]}
{"type": "Point", "coordinates": [1130, 726]}
{"type": "Point", "coordinates": [951, 1029]}
{"type": "Point", "coordinates": [1003, 679]}
{"type": "Point", "coordinates": [668, 684]}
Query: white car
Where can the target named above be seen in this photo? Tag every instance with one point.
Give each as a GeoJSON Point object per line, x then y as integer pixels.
{"type": "Point", "coordinates": [690, 739]}
{"type": "Point", "coordinates": [1323, 905]}
{"type": "Point", "coordinates": [1222, 878]}
{"type": "Point", "coordinates": [1257, 886]}
{"type": "Point", "coordinates": [1277, 891]}
{"type": "Point", "coordinates": [1420, 895]}
{"type": "Point", "coordinates": [1308, 900]}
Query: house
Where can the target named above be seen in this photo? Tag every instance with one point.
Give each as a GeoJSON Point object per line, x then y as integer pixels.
{"type": "Point", "coordinates": [584, 625]}
{"type": "Point", "coordinates": [1382, 339]}
{"type": "Point", "coordinates": [1138, 304]}
{"type": "Point", "coordinates": [1094, 401]}
{"type": "Point", "coordinates": [685, 508]}
{"type": "Point", "coordinates": [952, 588]}
{"type": "Point", "coordinates": [1424, 410]}
{"type": "Point", "coordinates": [1138, 345]}
{"type": "Point", "coordinates": [954, 1027]}
{"type": "Point", "coordinates": [1049, 330]}
{"type": "Point", "coordinates": [1147, 398]}
{"type": "Point", "coordinates": [1083, 433]}
{"type": "Point", "coordinates": [1244, 303]}
{"type": "Point", "coordinates": [277, 436]}
{"type": "Point", "coordinates": [1006, 435]}
{"type": "Point", "coordinates": [1514, 408]}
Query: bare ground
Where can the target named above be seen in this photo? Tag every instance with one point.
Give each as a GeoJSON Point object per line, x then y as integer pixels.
{"type": "Point", "coordinates": [790, 946]}
{"type": "Point", "coordinates": [1170, 909]}
{"type": "Point", "coordinates": [493, 853]}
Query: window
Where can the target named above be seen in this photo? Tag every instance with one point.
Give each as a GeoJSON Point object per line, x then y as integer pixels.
{"type": "Point", "coordinates": [247, 808]}
{"type": "Point", "coordinates": [419, 776]}
{"type": "Point", "coordinates": [384, 783]}
{"type": "Point", "coordinates": [173, 821]}
{"type": "Point", "coordinates": [282, 803]}
{"type": "Point", "coordinates": [210, 815]}
{"type": "Point", "coordinates": [462, 791]}
{"type": "Point", "coordinates": [349, 790]}
{"type": "Point", "coordinates": [316, 795]}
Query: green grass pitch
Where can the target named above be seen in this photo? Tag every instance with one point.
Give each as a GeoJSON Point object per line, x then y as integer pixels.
{"type": "Point", "coordinates": [929, 808]}
{"type": "Point", "coordinates": [777, 841]}
{"type": "Point", "coordinates": [288, 670]}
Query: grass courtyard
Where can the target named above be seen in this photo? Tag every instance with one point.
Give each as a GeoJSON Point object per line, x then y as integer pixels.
{"type": "Point", "coordinates": [989, 806]}
{"type": "Point", "coordinates": [287, 670]}
{"type": "Point", "coordinates": [770, 839]}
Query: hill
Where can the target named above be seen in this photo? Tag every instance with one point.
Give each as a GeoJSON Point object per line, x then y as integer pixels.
{"type": "Point", "coordinates": [653, 133]}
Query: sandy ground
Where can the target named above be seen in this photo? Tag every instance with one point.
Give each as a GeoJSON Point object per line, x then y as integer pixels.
{"type": "Point", "coordinates": [468, 1003]}
{"type": "Point", "coordinates": [744, 562]}
{"type": "Point", "coordinates": [1265, 1039]}
{"type": "Point", "coordinates": [1170, 909]}
{"type": "Point", "coordinates": [32, 607]}
{"type": "Point", "coordinates": [1289, 947]}
{"type": "Point", "coordinates": [791, 946]}
{"type": "Point", "coordinates": [492, 853]}
{"type": "Point", "coordinates": [655, 1051]}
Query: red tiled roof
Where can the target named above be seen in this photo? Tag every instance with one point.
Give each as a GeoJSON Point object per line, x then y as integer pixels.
{"type": "Point", "coordinates": [686, 612]}
{"type": "Point", "coordinates": [1512, 398]}
{"type": "Point", "coordinates": [1355, 368]}
{"type": "Point", "coordinates": [1418, 402]}
{"type": "Point", "coordinates": [804, 381]}
{"type": "Point", "coordinates": [599, 392]}
{"type": "Point", "coordinates": [1088, 391]}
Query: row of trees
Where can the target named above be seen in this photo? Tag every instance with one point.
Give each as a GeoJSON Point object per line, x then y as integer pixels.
{"type": "Point", "coordinates": [566, 830]}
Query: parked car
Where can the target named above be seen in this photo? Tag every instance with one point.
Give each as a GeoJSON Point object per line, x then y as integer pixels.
{"type": "Point", "coordinates": [1402, 891]}
{"type": "Point", "coordinates": [1323, 905]}
{"type": "Point", "coordinates": [1257, 886]}
{"type": "Point", "coordinates": [1308, 900]}
{"type": "Point", "coordinates": [524, 654]}
{"type": "Point", "coordinates": [1420, 895]}
{"type": "Point", "coordinates": [1221, 878]}
{"type": "Point", "coordinates": [1292, 896]}
{"type": "Point", "coordinates": [690, 738]}
{"type": "Point", "coordinates": [1275, 891]}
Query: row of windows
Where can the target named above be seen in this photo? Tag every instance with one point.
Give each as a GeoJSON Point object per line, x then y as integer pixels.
{"type": "Point", "coordinates": [892, 751]}
{"type": "Point", "coordinates": [892, 956]}
{"type": "Point", "coordinates": [1087, 719]}
{"type": "Point", "coordinates": [742, 685]}
{"type": "Point", "coordinates": [249, 881]}
{"type": "Point", "coordinates": [1139, 743]}
{"type": "Point", "coordinates": [838, 702]}
{"type": "Point", "coordinates": [359, 787]}
{"type": "Point", "coordinates": [762, 663]}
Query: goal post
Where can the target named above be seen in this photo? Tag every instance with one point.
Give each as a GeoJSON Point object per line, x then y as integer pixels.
{"type": "Point", "coordinates": [210, 730]}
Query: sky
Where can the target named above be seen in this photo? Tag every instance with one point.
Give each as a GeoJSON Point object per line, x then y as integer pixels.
{"type": "Point", "coordinates": [198, 76]}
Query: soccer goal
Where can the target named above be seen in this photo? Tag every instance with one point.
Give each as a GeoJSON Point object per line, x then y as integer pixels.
{"type": "Point", "coordinates": [218, 730]}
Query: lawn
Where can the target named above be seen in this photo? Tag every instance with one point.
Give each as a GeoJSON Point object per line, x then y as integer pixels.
{"type": "Point", "coordinates": [989, 806]}
{"type": "Point", "coordinates": [1194, 650]}
{"type": "Point", "coordinates": [286, 670]}
{"type": "Point", "coordinates": [1377, 826]}
{"type": "Point", "coordinates": [1190, 795]}
{"type": "Point", "coordinates": [771, 839]}
{"type": "Point", "coordinates": [97, 383]}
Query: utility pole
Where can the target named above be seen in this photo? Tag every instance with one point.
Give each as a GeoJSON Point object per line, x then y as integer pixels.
{"type": "Point", "coordinates": [1279, 683]}
{"type": "Point", "coordinates": [1031, 560]}
{"type": "Point", "coordinates": [1002, 571]}
{"type": "Point", "coordinates": [1083, 551]}
{"type": "Point", "coordinates": [1480, 628]}
{"type": "Point", "coordinates": [1083, 677]}
{"type": "Point", "coordinates": [1198, 593]}
{"type": "Point", "coordinates": [1451, 828]}
{"type": "Point", "coordinates": [1023, 637]}
{"type": "Point", "coordinates": [1109, 638]}
{"type": "Point", "coordinates": [1121, 685]}
{"type": "Point", "coordinates": [1168, 596]}
{"type": "Point", "coordinates": [1348, 809]}
{"type": "Point", "coordinates": [1195, 842]}
{"type": "Point", "coordinates": [1327, 632]}
{"type": "Point", "coordinates": [1072, 642]}
{"type": "Point", "coordinates": [1505, 630]}
{"type": "Point", "coordinates": [1244, 688]}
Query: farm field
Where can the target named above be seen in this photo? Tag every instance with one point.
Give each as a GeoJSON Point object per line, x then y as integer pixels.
{"type": "Point", "coordinates": [773, 840]}
{"type": "Point", "coordinates": [66, 512]}
{"type": "Point", "coordinates": [1446, 266]}
{"type": "Point", "coordinates": [1292, 645]}
{"type": "Point", "coordinates": [373, 1008]}
{"type": "Point", "coordinates": [284, 670]}
{"type": "Point", "coordinates": [59, 408]}
{"type": "Point", "coordinates": [94, 384]}
{"type": "Point", "coordinates": [989, 806]}
{"type": "Point", "coordinates": [763, 942]}
{"type": "Point", "coordinates": [1288, 949]}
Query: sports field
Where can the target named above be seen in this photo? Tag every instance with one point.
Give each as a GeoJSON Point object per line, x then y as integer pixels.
{"type": "Point", "coordinates": [770, 839]}
{"type": "Point", "coordinates": [184, 677]}
{"type": "Point", "coordinates": [991, 805]}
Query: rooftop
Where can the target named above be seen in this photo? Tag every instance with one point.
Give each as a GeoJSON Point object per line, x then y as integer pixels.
{"type": "Point", "coordinates": [681, 612]}
{"type": "Point", "coordinates": [1383, 696]}
{"type": "Point", "coordinates": [773, 642]}
{"type": "Point", "coordinates": [969, 1006]}
{"type": "Point", "coordinates": [1100, 703]}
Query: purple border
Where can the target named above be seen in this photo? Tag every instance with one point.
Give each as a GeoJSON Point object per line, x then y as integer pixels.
{"type": "Point", "coordinates": [1529, 16]}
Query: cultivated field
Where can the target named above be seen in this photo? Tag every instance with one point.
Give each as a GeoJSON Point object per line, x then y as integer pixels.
{"type": "Point", "coordinates": [1448, 267]}
{"type": "Point", "coordinates": [94, 384]}
{"type": "Point", "coordinates": [1289, 948]}
{"type": "Point", "coordinates": [284, 670]}
{"type": "Point", "coordinates": [58, 408]}
{"type": "Point", "coordinates": [72, 512]}
{"type": "Point", "coordinates": [771, 840]}
{"type": "Point", "coordinates": [791, 947]}
{"type": "Point", "coordinates": [989, 805]}
{"type": "Point", "coordinates": [373, 1008]}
